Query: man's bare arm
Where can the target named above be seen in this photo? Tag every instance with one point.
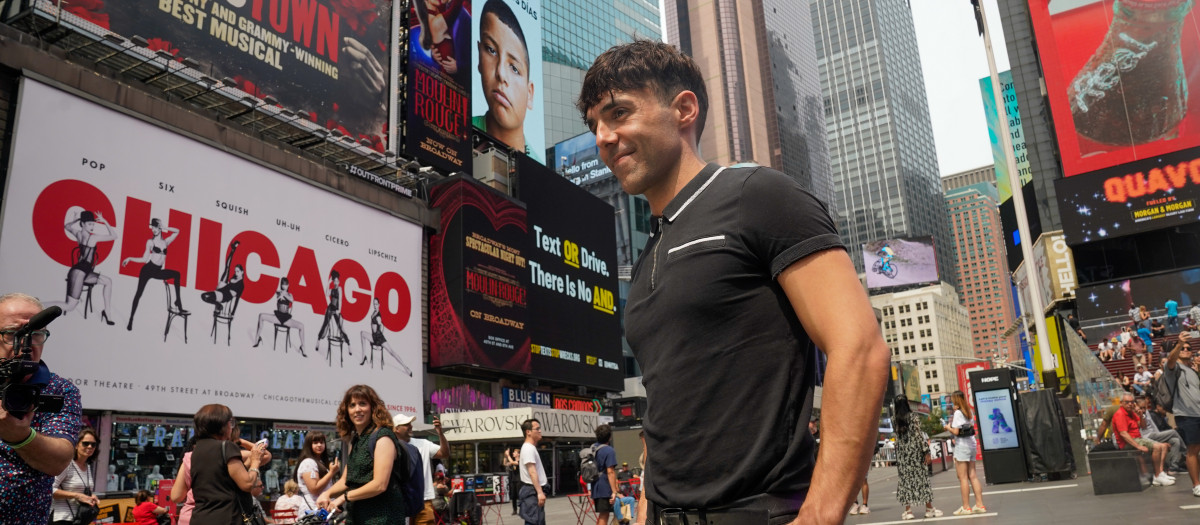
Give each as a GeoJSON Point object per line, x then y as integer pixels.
{"type": "Point", "coordinates": [830, 302]}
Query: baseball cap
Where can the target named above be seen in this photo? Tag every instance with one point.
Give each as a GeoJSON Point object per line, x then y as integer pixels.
{"type": "Point", "coordinates": [401, 419]}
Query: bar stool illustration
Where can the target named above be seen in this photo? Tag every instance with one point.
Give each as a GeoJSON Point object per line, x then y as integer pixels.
{"type": "Point", "coordinates": [223, 315]}
{"type": "Point", "coordinates": [173, 312]}
{"type": "Point", "coordinates": [336, 337]}
{"type": "Point", "coordinates": [225, 300]}
{"type": "Point", "coordinates": [282, 321]}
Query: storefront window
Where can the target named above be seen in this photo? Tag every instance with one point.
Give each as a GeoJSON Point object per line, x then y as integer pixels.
{"type": "Point", "coordinates": [148, 449]}
{"type": "Point", "coordinates": [462, 459]}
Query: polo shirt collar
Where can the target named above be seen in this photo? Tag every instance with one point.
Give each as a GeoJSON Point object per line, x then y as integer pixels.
{"type": "Point", "coordinates": [690, 191]}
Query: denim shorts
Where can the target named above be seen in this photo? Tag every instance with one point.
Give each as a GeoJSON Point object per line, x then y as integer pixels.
{"type": "Point", "coordinates": [964, 450]}
{"type": "Point", "coordinates": [1189, 429]}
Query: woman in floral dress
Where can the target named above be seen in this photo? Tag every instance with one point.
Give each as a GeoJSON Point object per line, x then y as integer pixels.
{"type": "Point", "coordinates": [912, 449]}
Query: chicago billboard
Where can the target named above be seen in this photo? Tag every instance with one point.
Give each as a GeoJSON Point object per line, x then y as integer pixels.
{"type": "Point", "coordinates": [506, 95]}
{"type": "Point", "coordinates": [187, 272]}
{"type": "Point", "coordinates": [576, 334]}
{"type": "Point", "coordinates": [900, 262]}
{"type": "Point", "coordinates": [478, 280]}
{"type": "Point", "coordinates": [325, 59]}
{"type": "Point", "coordinates": [438, 76]}
{"type": "Point", "coordinates": [1150, 194]}
{"type": "Point", "coordinates": [1117, 75]}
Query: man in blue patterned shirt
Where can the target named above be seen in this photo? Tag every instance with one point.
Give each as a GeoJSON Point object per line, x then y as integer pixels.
{"type": "Point", "coordinates": [39, 446]}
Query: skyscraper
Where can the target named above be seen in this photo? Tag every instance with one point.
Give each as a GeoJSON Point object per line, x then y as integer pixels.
{"type": "Point", "coordinates": [881, 150]}
{"type": "Point", "coordinates": [983, 269]}
{"type": "Point", "coordinates": [763, 87]}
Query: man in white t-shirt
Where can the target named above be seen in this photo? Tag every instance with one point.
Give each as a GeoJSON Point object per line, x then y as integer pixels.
{"type": "Point", "coordinates": [1141, 380]}
{"type": "Point", "coordinates": [403, 428]}
{"type": "Point", "coordinates": [532, 495]}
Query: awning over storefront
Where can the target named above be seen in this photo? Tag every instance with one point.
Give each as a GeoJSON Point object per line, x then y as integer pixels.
{"type": "Point", "coordinates": [505, 424]}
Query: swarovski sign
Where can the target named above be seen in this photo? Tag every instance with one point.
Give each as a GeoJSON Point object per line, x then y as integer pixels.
{"type": "Point", "coordinates": [505, 424]}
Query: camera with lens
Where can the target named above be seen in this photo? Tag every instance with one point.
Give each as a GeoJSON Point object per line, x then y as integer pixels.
{"type": "Point", "coordinates": [18, 397]}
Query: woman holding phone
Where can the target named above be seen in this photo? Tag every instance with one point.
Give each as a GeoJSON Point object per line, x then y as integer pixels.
{"type": "Point", "coordinates": [962, 425]}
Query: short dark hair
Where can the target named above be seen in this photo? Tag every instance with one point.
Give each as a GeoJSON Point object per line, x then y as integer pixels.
{"type": "Point", "coordinates": [603, 433]}
{"type": "Point", "coordinates": [527, 425]}
{"type": "Point", "coordinates": [505, 15]}
{"type": "Point", "coordinates": [142, 496]}
{"type": "Point", "coordinates": [211, 420]}
{"type": "Point", "coordinates": [662, 68]}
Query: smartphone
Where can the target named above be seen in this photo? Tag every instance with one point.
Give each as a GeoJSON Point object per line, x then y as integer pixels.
{"type": "Point", "coordinates": [262, 441]}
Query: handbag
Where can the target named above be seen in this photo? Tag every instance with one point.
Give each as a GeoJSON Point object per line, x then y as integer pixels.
{"type": "Point", "coordinates": [84, 514]}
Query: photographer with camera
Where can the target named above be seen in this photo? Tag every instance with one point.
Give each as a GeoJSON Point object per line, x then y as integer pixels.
{"type": "Point", "coordinates": [38, 437]}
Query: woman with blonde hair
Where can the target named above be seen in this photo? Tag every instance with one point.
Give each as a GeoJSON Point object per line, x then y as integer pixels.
{"type": "Point", "coordinates": [962, 425]}
{"type": "Point", "coordinates": [364, 422]}
{"type": "Point", "coordinates": [290, 500]}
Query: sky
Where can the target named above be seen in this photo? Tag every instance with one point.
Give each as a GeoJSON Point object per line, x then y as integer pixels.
{"type": "Point", "coordinates": [953, 60]}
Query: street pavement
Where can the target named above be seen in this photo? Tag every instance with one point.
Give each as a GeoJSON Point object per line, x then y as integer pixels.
{"type": "Point", "coordinates": [1057, 502]}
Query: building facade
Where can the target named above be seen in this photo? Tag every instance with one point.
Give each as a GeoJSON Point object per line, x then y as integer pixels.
{"type": "Point", "coordinates": [980, 175]}
{"type": "Point", "coordinates": [927, 327]}
{"type": "Point", "coordinates": [982, 268]}
{"type": "Point", "coordinates": [763, 85]}
{"type": "Point", "coordinates": [881, 148]}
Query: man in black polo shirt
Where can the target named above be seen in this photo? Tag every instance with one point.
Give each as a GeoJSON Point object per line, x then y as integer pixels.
{"type": "Point", "coordinates": [744, 275]}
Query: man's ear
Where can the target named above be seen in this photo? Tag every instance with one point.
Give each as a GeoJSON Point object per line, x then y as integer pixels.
{"type": "Point", "coordinates": [687, 108]}
{"type": "Point", "coordinates": [529, 101]}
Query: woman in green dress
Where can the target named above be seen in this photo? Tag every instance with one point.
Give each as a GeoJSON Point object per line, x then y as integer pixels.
{"type": "Point", "coordinates": [364, 487]}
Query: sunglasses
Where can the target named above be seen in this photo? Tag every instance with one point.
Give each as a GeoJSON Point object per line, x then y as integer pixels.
{"type": "Point", "coordinates": [87, 443]}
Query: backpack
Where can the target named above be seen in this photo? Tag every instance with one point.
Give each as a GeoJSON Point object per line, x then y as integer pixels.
{"type": "Point", "coordinates": [407, 472]}
{"type": "Point", "coordinates": [1165, 387]}
{"type": "Point", "coordinates": [588, 470]}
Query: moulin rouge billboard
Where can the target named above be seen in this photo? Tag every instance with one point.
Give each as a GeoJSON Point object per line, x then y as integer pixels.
{"type": "Point", "coordinates": [186, 272]}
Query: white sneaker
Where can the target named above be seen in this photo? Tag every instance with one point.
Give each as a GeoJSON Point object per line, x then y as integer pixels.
{"type": "Point", "coordinates": [854, 509]}
{"type": "Point", "coordinates": [862, 509]}
{"type": "Point", "coordinates": [1162, 480]}
{"type": "Point", "coordinates": [933, 513]}
{"type": "Point", "coordinates": [1196, 491]}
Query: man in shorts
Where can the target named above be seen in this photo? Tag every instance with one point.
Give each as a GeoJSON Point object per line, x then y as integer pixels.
{"type": "Point", "coordinates": [1127, 423]}
{"type": "Point", "coordinates": [1187, 406]}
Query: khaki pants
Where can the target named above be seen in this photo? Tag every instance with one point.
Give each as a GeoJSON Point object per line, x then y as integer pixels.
{"type": "Point", "coordinates": [426, 517]}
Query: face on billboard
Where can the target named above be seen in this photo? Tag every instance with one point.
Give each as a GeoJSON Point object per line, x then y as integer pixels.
{"type": "Point", "coordinates": [183, 269]}
{"type": "Point", "coordinates": [506, 102]}
{"type": "Point", "coordinates": [898, 262]}
{"type": "Point", "coordinates": [1117, 76]}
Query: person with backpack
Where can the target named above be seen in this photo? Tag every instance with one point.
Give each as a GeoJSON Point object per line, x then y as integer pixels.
{"type": "Point", "coordinates": [598, 467]}
{"type": "Point", "coordinates": [372, 496]}
{"type": "Point", "coordinates": [1186, 405]}
{"type": "Point", "coordinates": [425, 450]}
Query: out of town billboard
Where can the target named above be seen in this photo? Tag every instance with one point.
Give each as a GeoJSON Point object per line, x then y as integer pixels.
{"type": "Point", "coordinates": [1117, 76]}
{"type": "Point", "coordinates": [578, 159]}
{"type": "Point", "coordinates": [170, 258]}
{"type": "Point", "coordinates": [328, 60]}
{"type": "Point", "coordinates": [506, 90]}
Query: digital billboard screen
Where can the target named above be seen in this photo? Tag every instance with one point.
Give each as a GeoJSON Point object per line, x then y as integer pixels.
{"type": "Point", "coordinates": [183, 269]}
{"type": "Point", "coordinates": [1110, 302]}
{"type": "Point", "coordinates": [1012, 113]}
{"type": "Point", "coordinates": [506, 95]}
{"type": "Point", "coordinates": [997, 426]}
{"type": "Point", "coordinates": [1149, 194]}
{"type": "Point", "coordinates": [478, 280]}
{"type": "Point", "coordinates": [576, 333]}
{"type": "Point", "coordinates": [327, 60]}
{"type": "Point", "coordinates": [1117, 76]}
{"type": "Point", "coordinates": [900, 262]}
{"type": "Point", "coordinates": [578, 159]}
{"type": "Point", "coordinates": [438, 80]}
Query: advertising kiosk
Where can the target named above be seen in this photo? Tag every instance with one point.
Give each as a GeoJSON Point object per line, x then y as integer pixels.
{"type": "Point", "coordinates": [998, 431]}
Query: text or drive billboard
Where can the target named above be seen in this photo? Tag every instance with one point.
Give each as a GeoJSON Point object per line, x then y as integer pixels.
{"type": "Point", "coordinates": [575, 331]}
{"type": "Point", "coordinates": [478, 280]}
{"type": "Point", "coordinates": [170, 258]}
{"type": "Point", "coordinates": [438, 80]}
{"type": "Point", "coordinates": [900, 262]}
{"type": "Point", "coordinates": [506, 93]}
{"type": "Point", "coordinates": [578, 159]}
{"type": "Point", "coordinates": [1149, 194]}
{"type": "Point", "coordinates": [1117, 76]}
{"type": "Point", "coordinates": [327, 60]}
